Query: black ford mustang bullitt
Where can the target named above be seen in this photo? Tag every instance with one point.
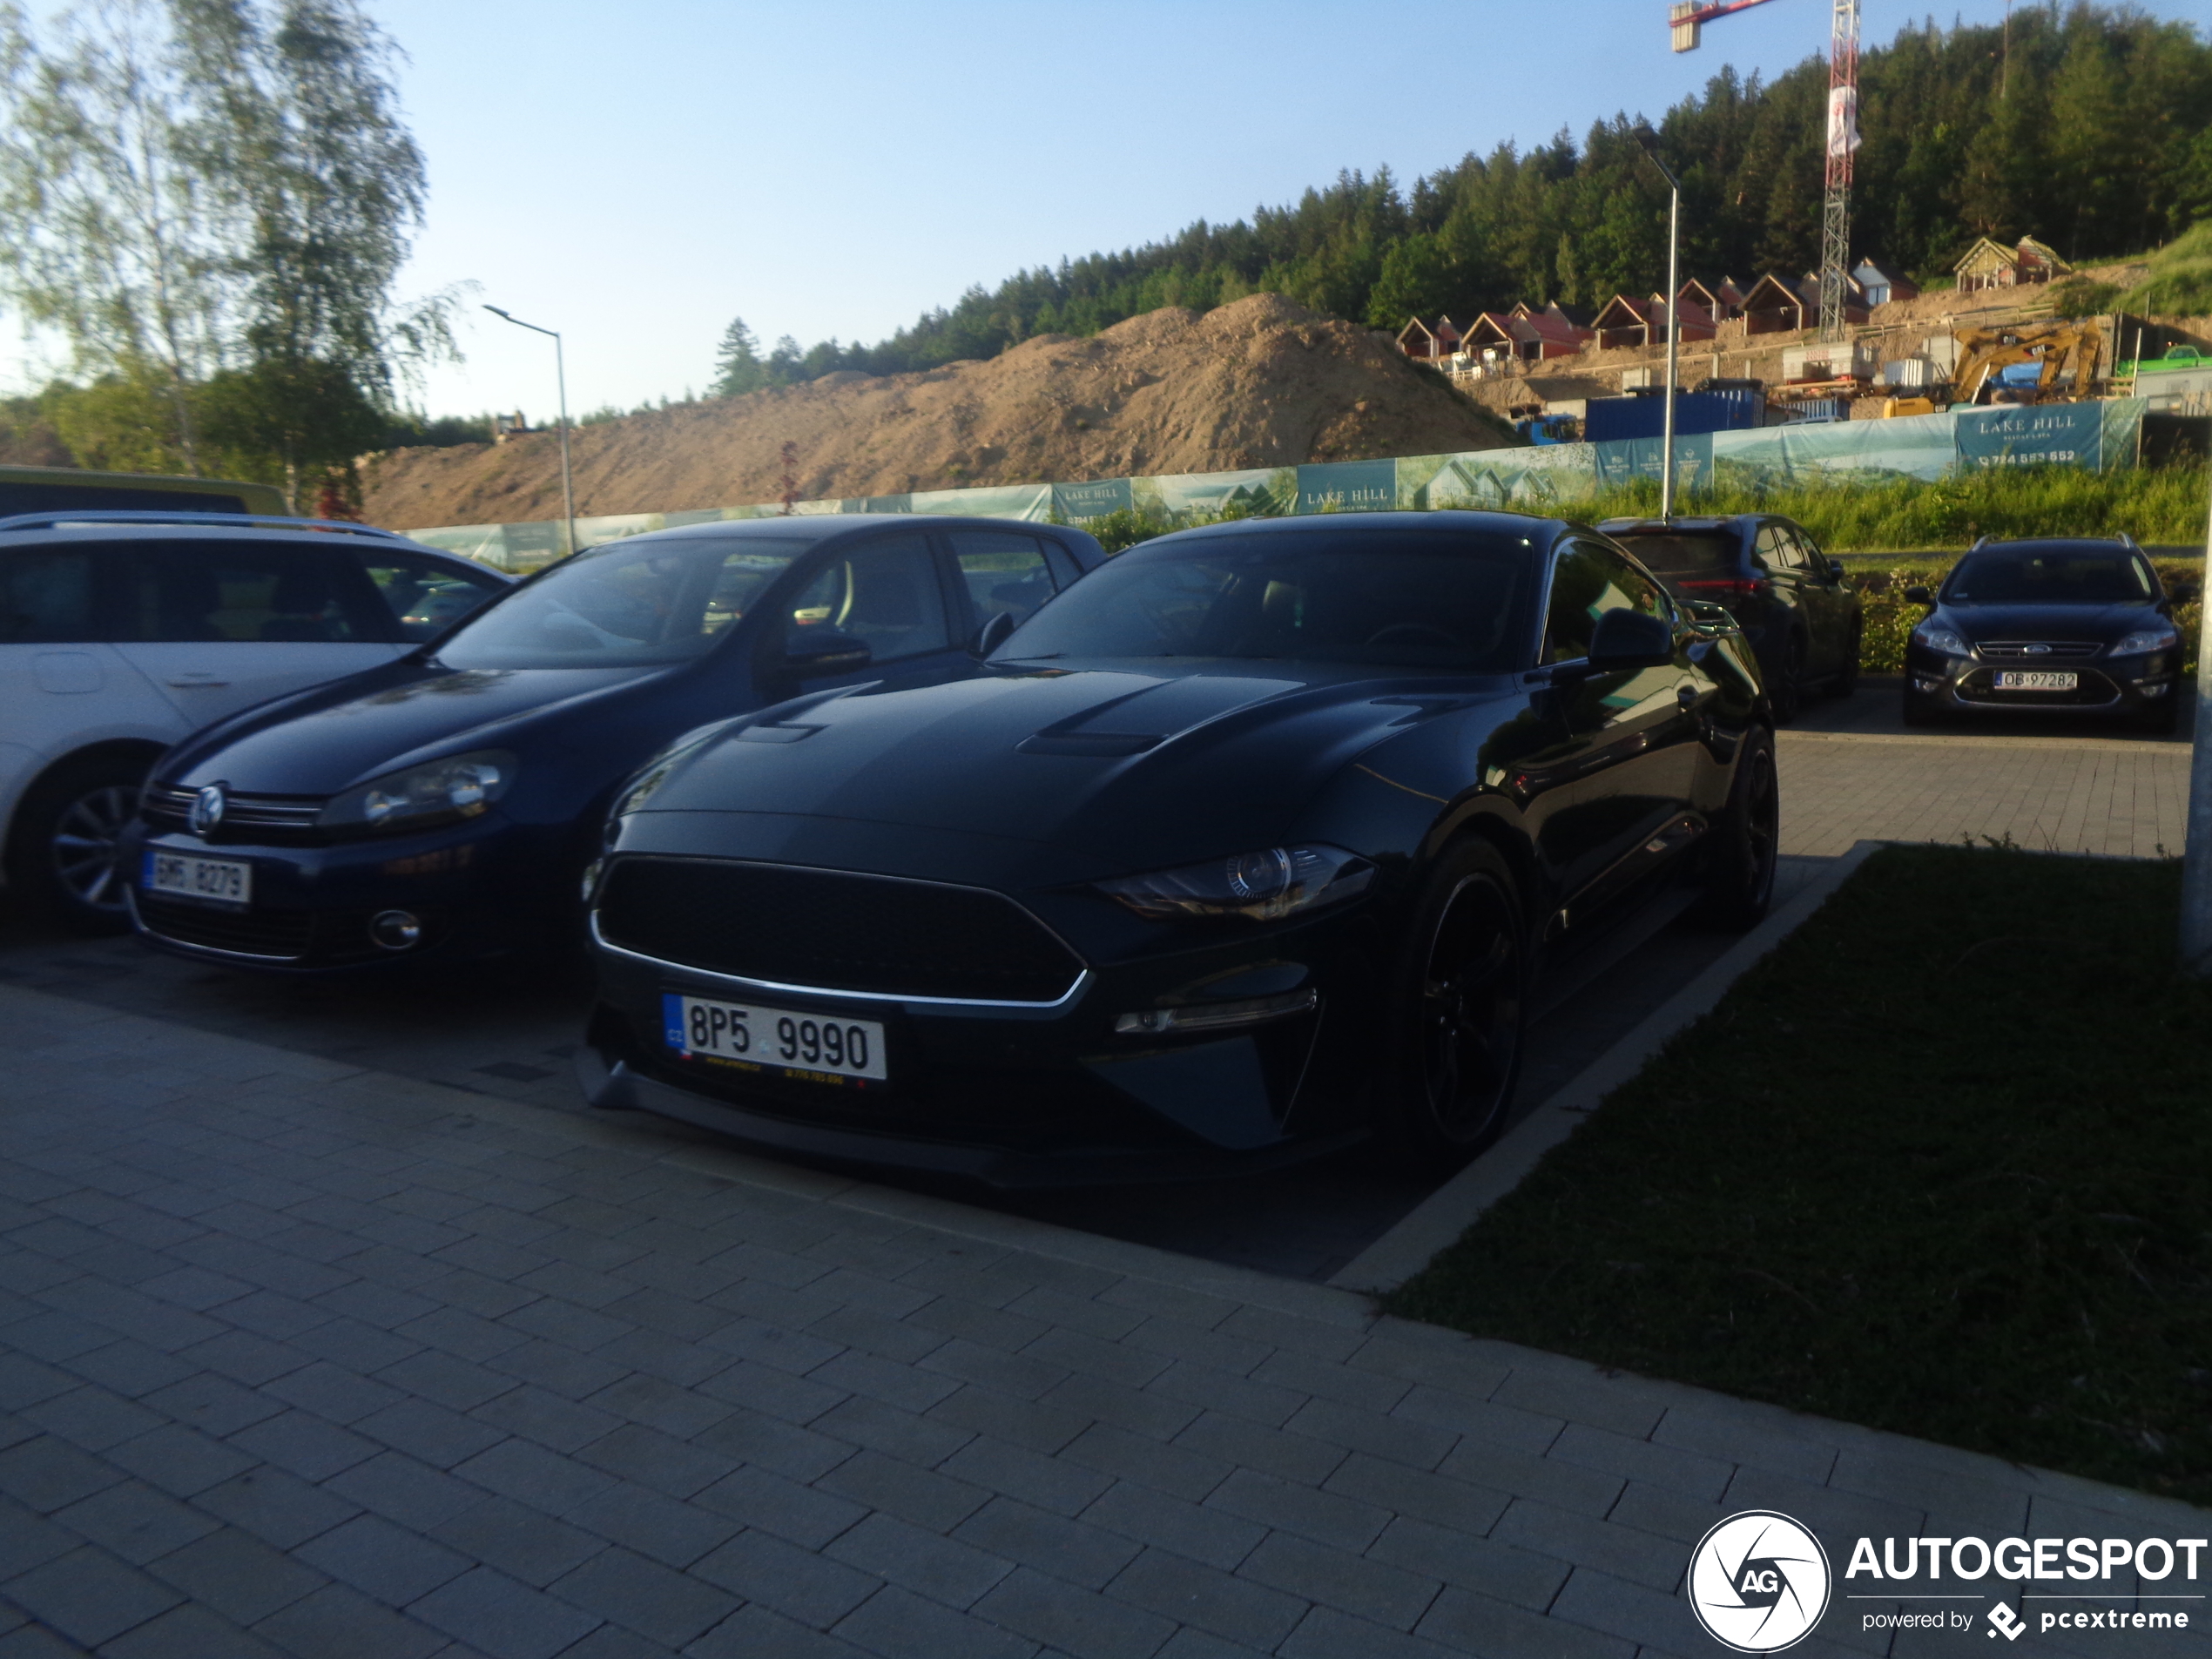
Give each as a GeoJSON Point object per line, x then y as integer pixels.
{"type": "Point", "coordinates": [1259, 840]}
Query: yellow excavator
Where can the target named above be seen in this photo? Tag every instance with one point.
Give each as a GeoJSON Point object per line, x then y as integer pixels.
{"type": "Point", "coordinates": [2068, 351]}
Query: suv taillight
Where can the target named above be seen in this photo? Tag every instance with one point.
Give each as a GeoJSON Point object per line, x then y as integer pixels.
{"type": "Point", "coordinates": [1724, 587]}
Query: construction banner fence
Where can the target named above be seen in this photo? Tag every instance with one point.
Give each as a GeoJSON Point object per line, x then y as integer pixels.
{"type": "Point", "coordinates": [2098, 436]}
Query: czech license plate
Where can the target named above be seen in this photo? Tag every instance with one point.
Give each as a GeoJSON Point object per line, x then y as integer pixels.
{"type": "Point", "coordinates": [2014, 679]}
{"type": "Point", "coordinates": [813, 1047]}
{"type": "Point", "coordinates": [218, 881]}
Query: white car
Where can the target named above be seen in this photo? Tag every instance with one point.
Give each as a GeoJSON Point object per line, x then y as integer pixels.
{"type": "Point", "coordinates": [122, 632]}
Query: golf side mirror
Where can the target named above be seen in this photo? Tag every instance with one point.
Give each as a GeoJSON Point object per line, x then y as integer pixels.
{"type": "Point", "coordinates": [1919, 596]}
{"type": "Point", "coordinates": [1625, 639]}
{"type": "Point", "coordinates": [823, 650]}
{"type": "Point", "coordinates": [993, 633]}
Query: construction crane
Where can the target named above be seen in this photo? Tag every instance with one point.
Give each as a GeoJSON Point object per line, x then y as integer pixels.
{"type": "Point", "coordinates": [1688, 18]}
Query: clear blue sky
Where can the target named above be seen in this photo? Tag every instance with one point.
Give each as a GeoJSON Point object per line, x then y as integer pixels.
{"type": "Point", "coordinates": [638, 174]}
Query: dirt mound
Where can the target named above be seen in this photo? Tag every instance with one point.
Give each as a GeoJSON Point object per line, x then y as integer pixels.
{"type": "Point", "coordinates": [1263, 382]}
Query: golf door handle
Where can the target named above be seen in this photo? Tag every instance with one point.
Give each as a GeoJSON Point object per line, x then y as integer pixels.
{"type": "Point", "coordinates": [189, 682]}
{"type": "Point", "coordinates": [1687, 694]}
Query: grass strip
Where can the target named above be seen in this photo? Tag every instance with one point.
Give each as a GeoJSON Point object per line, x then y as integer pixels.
{"type": "Point", "coordinates": [1941, 1164]}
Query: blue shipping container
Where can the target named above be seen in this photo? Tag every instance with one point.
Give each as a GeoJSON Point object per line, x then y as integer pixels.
{"type": "Point", "coordinates": [1612, 418]}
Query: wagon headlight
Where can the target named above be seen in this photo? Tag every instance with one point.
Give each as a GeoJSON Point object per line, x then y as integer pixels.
{"type": "Point", "coordinates": [459, 786]}
{"type": "Point", "coordinates": [1943, 640]}
{"type": "Point", "coordinates": [1279, 882]}
{"type": "Point", "coordinates": [2146, 639]}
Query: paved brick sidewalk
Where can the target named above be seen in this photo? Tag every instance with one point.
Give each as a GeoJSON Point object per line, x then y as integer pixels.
{"type": "Point", "coordinates": [301, 1358]}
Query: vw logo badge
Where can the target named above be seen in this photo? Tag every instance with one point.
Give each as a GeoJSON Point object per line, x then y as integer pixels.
{"type": "Point", "coordinates": [1758, 1582]}
{"type": "Point", "coordinates": [207, 809]}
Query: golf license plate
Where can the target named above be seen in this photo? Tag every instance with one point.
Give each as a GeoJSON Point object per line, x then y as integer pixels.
{"type": "Point", "coordinates": [811, 1047]}
{"type": "Point", "coordinates": [217, 881]}
{"type": "Point", "coordinates": [2015, 679]}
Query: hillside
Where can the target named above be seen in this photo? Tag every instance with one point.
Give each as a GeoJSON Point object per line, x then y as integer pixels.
{"type": "Point", "coordinates": [1261, 383]}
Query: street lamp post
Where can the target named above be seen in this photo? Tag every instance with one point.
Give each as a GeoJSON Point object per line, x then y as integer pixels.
{"type": "Point", "coordinates": [1649, 141]}
{"type": "Point", "coordinates": [2196, 852]}
{"type": "Point", "coordinates": [560, 379]}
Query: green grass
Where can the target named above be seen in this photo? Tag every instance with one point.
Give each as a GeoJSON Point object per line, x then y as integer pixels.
{"type": "Point", "coordinates": [2180, 282]}
{"type": "Point", "coordinates": [1941, 1164]}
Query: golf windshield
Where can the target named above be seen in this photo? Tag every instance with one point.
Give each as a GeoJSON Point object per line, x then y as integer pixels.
{"type": "Point", "coordinates": [625, 604]}
{"type": "Point", "coordinates": [2029, 575]}
{"type": "Point", "coordinates": [1415, 598]}
{"type": "Point", "coordinates": [1685, 553]}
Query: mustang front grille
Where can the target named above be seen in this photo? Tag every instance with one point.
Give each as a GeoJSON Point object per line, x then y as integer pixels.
{"type": "Point", "coordinates": [836, 930]}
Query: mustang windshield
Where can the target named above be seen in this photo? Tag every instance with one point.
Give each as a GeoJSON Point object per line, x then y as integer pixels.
{"type": "Point", "coordinates": [625, 604]}
{"type": "Point", "coordinates": [1414, 598]}
{"type": "Point", "coordinates": [2049, 576]}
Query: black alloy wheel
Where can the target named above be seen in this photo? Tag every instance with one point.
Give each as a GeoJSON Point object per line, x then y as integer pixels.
{"type": "Point", "coordinates": [62, 860]}
{"type": "Point", "coordinates": [1463, 1011]}
{"type": "Point", "coordinates": [1786, 696]}
{"type": "Point", "coordinates": [1746, 843]}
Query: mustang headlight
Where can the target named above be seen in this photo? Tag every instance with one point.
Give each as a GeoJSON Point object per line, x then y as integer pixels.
{"type": "Point", "coordinates": [2144, 640]}
{"type": "Point", "coordinates": [1943, 640]}
{"type": "Point", "coordinates": [1279, 881]}
{"type": "Point", "coordinates": [436, 792]}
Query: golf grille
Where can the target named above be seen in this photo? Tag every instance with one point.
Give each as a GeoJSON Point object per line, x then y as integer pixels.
{"type": "Point", "coordinates": [834, 928]}
{"type": "Point", "coordinates": [278, 935]}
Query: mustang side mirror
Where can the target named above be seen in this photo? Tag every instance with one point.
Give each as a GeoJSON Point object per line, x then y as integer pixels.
{"type": "Point", "coordinates": [1919, 596]}
{"type": "Point", "coordinates": [821, 650]}
{"type": "Point", "coordinates": [993, 633]}
{"type": "Point", "coordinates": [1631, 639]}
{"type": "Point", "coordinates": [1835, 569]}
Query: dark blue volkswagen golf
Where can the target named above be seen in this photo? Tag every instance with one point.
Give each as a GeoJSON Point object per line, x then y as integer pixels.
{"type": "Point", "coordinates": [447, 805]}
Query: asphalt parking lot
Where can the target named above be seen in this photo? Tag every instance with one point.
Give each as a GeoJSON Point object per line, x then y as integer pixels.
{"type": "Point", "coordinates": [1850, 771]}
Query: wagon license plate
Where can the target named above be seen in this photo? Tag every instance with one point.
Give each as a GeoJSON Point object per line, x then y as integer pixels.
{"type": "Point", "coordinates": [813, 1047]}
{"type": "Point", "coordinates": [216, 881]}
{"type": "Point", "coordinates": [2014, 679]}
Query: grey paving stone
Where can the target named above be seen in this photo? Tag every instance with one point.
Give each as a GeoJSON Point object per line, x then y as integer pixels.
{"type": "Point", "coordinates": [1369, 1588]}
{"type": "Point", "coordinates": [682, 1412]}
{"type": "Point", "coordinates": [1009, 1417]}
{"type": "Point", "coordinates": [541, 1415]}
{"type": "Point", "coordinates": [898, 1625]}
{"type": "Point", "coordinates": [1568, 1484]}
{"type": "Point", "coordinates": [795, 1582]}
{"type": "Point", "coordinates": [1072, 1620]}
{"type": "Point", "coordinates": [462, 1384]}
{"type": "Point", "coordinates": [135, 1521]}
{"type": "Point", "coordinates": [666, 1606]}
{"type": "Point", "coordinates": [1176, 1470]}
{"type": "Point", "coordinates": [650, 1458]}
{"type": "Point", "coordinates": [760, 1498]}
{"type": "Point", "coordinates": [1632, 1611]}
{"type": "Point", "coordinates": [28, 1540]}
{"type": "Point", "coordinates": [89, 1596]}
{"type": "Point", "coordinates": [653, 1524]}
{"type": "Point", "coordinates": [1478, 1564]}
{"type": "Point", "coordinates": [1016, 1471]}
{"type": "Point", "coordinates": [1001, 1371]}
{"type": "Point", "coordinates": [308, 1445]}
{"type": "Point", "coordinates": [874, 1381]}
{"type": "Point", "coordinates": [1075, 1551]}
{"type": "Point", "coordinates": [1290, 1457]}
{"type": "Point", "coordinates": [1506, 1426]}
{"type": "Point", "coordinates": [612, 1641]}
{"type": "Point", "coordinates": [1188, 1592]}
{"type": "Point", "coordinates": [1625, 1552]}
{"type": "Point", "coordinates": [922, 1496]}
{"type": "Point", "coordinates": [1346, 1385]}
{"type": "Point", "coordinates": [237, 1575]}
{"type": "Point", "coordinates": [1213, 1536]}
{"type": "Point", "coordinates": [246, 1358]}
{"type": "Point", "coordinates": [771, 1390]}
{"type": "Point", "coordinates": [188, 1633]}
{"type": "Point", "coordinates": [133, 1369]}
{"type": "Point", "coordinates": [954, 1574]}
{"type": "Point", "coordinates": [47, 1472]}
{"type": "Point", "coordinates": [1088, 1356]}
{"type": "Point", "coordinates": [392, 1563]}
{"type": "Point", "coordinates": [438, 1436]}
{"type": "Point", "coordinates": [1121, 1406]}
{"type": "Point", "coordinates": [179, 1460]}
{"type": "Point", "coordinates": [559, 1370]}
{"type": "Point", "coordinates": [400, 1488]}
{"type": "Point", "coordinates": [1828, 1512]}
{"type": "Point", "coordinates": [280, 1507]}
{"type": "Point", "coordinates": [877, 1336]}
{"type": "Point", "coordinates": [502, 1617]}
{"type": "Point", "coordinates": [1327, 1633]}
{"type": "Point", "coordinates": [1437, 1498]}
{"type": "Point", "coordinates": [1690, 1473]}
{"type": "Point", "coordinates": [978, 1325]}
{"type": "Point", "coordinates": [328, 1391]}
{"type": "Point", "coordinates": [753, 1632]}
{"type": "Point", "coordinates": [522, 1542]}
{"type": "Point", "coordinates": [91, 1417]}
{"type": "Point", "coordinates": [1211, 1389]}
{"type": "Point", "coordinates": [1322, 1516]}
{"type": "Point", "coordinates": [799, 1453]}
{"type": "Point", "coordinates": [530, 1474]}
{"type": "Point", "coordinates": [1475, 1624]}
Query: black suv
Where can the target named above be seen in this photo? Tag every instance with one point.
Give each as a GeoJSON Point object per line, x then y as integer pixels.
{"type": "Point", "coordinates": [1804, 624]}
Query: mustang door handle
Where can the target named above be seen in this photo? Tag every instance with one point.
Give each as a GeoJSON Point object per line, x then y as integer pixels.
{"type": "Point", "coordinates": [189, 682]}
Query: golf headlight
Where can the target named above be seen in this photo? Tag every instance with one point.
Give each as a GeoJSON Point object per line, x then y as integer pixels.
{"type": "Point", "coordinates": [1943, 640]}
{"type": "Point", "coordinates": [2144, 640]}
{"type": "Point", "coordinates": [437, 791]}
{"type": "Point", "coordinates": [1260, 887]}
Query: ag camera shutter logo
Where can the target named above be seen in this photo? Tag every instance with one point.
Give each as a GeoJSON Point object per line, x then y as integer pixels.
{"type": "Point", "coordinates": [1759, 1582]}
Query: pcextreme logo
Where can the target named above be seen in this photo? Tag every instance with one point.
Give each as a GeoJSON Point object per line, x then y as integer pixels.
{"type": "Point", "coordinates": [1759, 1582]}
